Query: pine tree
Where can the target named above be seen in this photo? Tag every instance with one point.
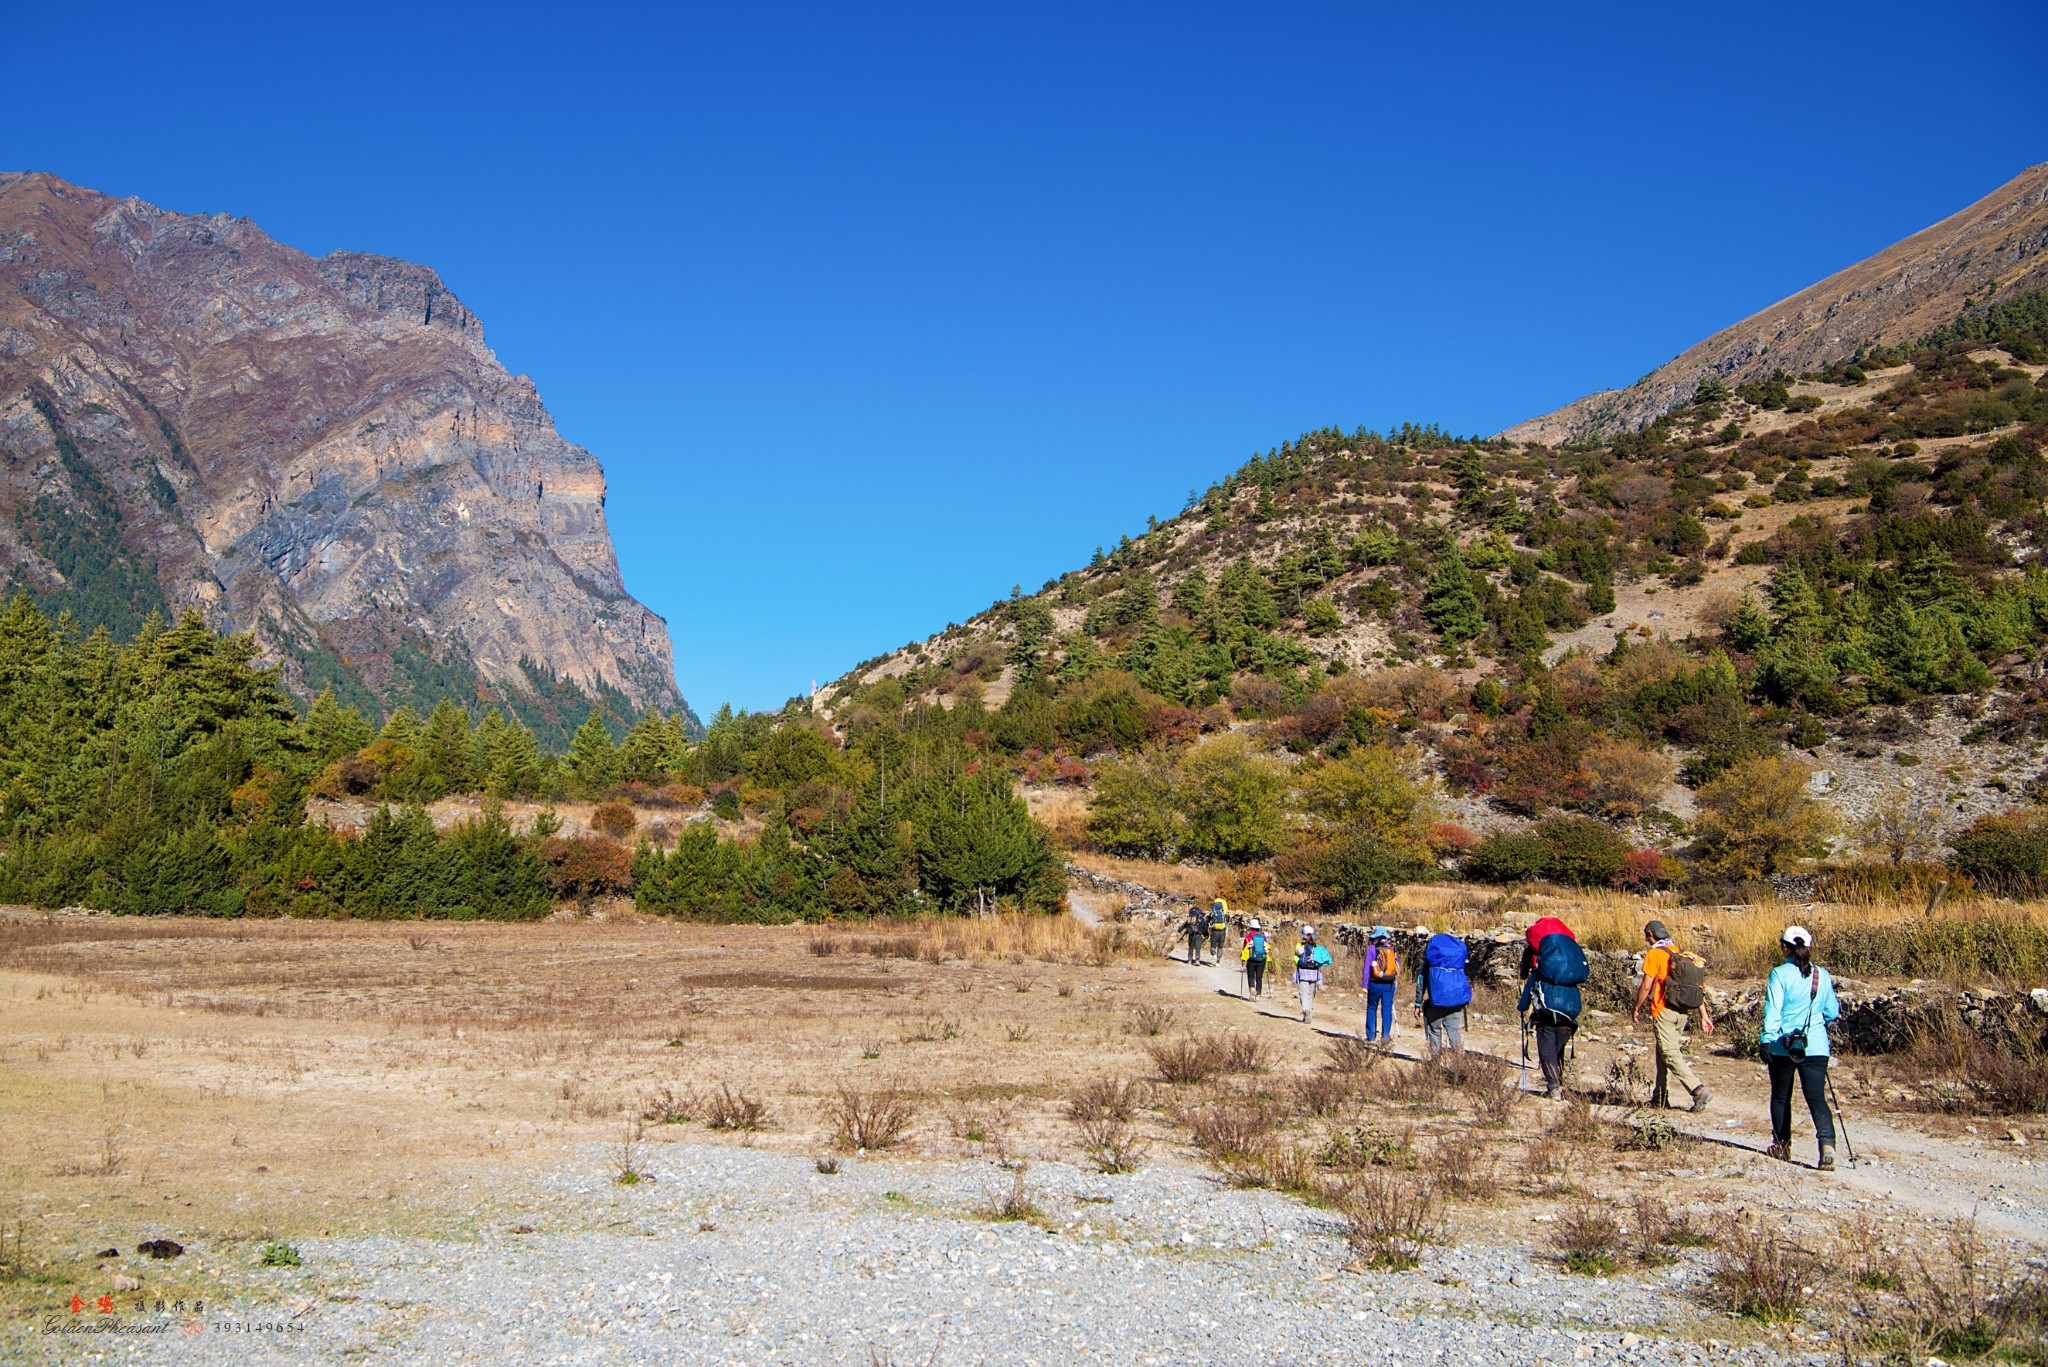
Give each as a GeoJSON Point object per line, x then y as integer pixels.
{"type": "Point", "coordinates": [1449, 604]}
{"type": "Point", "coordinates": [593, 760]}
{"type": "Point", "coordinates": [445, 749]}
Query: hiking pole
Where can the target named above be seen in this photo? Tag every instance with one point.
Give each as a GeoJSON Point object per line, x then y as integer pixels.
{"type": "Point", "coordinates": [1525, 1053]}
{"type": "Point", "coordinates": [1840, 1120]}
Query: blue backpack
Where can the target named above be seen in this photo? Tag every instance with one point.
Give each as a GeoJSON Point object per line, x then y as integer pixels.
{"type": "Point", "coordinates": [1259, 947]}
{"type": "Point", "coordinates": [1444, 962]}
{"type": "Point", "coordinates": [1559, 960]}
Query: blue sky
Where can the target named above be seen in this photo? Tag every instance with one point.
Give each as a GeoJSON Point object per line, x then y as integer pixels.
{"type": "Point", "coordinates": [872, 311]}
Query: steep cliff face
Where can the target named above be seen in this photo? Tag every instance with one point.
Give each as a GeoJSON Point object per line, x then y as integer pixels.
{"type": "Point", "coordinates": [319, 451]}
{"type": "Point", "coordinates": [1997, 246]}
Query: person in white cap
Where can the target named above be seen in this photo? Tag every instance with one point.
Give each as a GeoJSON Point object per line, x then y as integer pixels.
{"type": "Point", "coordinates": [1799, 1001]}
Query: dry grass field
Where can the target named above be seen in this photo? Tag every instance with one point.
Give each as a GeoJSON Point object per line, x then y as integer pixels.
{"type": "Point", "coordinates": [231, 1084]}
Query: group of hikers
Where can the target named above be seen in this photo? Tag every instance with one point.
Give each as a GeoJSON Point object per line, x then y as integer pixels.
{"type": "Point", "coordinates": [1799, 1002]}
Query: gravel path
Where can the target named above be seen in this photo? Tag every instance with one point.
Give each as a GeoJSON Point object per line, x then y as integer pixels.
{"type": "Point", "coordinates": [735, 1255]}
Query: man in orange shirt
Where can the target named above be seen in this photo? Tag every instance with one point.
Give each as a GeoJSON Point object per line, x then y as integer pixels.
{"type": "Point", "coordinates": [1661, 964]}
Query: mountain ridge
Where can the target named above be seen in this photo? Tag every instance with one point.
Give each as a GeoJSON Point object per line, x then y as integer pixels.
{"type": "Point", "coordinates": [321, 451]}
{"type": "Point", "coordinates": [1995, 246]}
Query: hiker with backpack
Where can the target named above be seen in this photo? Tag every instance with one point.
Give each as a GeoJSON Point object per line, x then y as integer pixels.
{"type": "Point", "coordinates": [1442, 992]}
{"type": "Point", "coordinates": [1554, 966]}
{"type": "Point", "coordinates": [1255, 954]}
{"type": "Point", "coordinates": [1219, 926]}
{"type": "Point", "coordinates": [1196, 929]}
{"type": "Point", "coordinates": [1799, 1001]}
{"type": "Point", "coordinates": [1382, 972]}
{"type": "Point", "coordinates": [1674, 986]}
{"type": "Point", "coordinates": [1310, 959]}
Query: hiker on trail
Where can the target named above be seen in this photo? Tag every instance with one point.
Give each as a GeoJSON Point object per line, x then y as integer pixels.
{"type": "Point", "coordinates": [1382, 972]}
{"type": "Point", "coordinates": [1255, 954]}
{"type": "Point", "coordinates": [1310, 959]}
{"type": "Point", "coordinates": [1799, 1001]}
{"type": "Point", "coordinates": [1674, 986]}
{"type": "Point", "coordinates": [1196, 928]}
{"type": "Point", "coordinates": [1442, 992]}
{"type": "Point", "coordinates": [1554, 966]}
{"type": "Point", "coordinates": [1219, 926]}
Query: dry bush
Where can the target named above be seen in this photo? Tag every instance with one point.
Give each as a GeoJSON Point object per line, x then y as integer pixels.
{"type": "Point", "coordinates": [614, 820]}
{"type": "Point", "coordinates": [1588, 1239]}
{"type": "Point", "coordinates": [1391, 1217]}
{"type": "Point", "coordinates": [1353, 1056]}
{"type": "Point", "coordinates": [1298, 1171]}
{"type": "Point", "coordinates": [1543, 1157]}
{"type": "Point", "coordinates": [1465, 1166]}
{"type": "Point", "coordinates": [1113, 1098]}
{"type": "Point", "coordinates": [870, 1120]}
{"type": "Point", "coordinates": [1956, 1072]}
{"type": "Point", "coordinates": [932, 1029]}
{"type": "Point", "coordinates": [984, 1122]}
{"type": "Point", "coordinates": [825, 945]}
{"type": "Point", "coordinates": [1760, 1276]}
{"type": "Point", "coordinates": [629, 1172]}
{"type": "Point", "coordinates": [1241, 1053]}
{"type": "Point", "coordinates": [1111, 1142]}
{"type": "Point", "coordinates": [1232, 1129]}
{"type": "Point", "coordinates": [667, 1106]}
{"type": "Point", "coordinates": [1013, 1200]}
{"type": "Point", "coordinates": [1152, 1020]}
{"type": "Point", "coordinates": [729, 1109]}
{"type": "Point", "coordinates": [1416, 1084]}
{"type": "Point", "coordinates": [1964, 1303]}
{"type": "Point", "coordinates": [1487, 1083]}
{"type": "Point", "coordinates": [1362, 1147]}
{"type": "Point", "coordinates": [1575, 1122]}
{"type": "Point", "coordinates": [1322, 1093]}
{"type": "Point", "coordinates": [1245, 886]}
{"type": "Point", "coordinates": [1187, 1059]}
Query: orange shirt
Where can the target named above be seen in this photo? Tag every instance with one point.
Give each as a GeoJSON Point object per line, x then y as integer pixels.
{"type": "Point", "coordinates": [1657, 967]}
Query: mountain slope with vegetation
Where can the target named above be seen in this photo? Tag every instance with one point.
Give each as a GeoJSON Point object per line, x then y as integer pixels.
{"type": "Point", "coordinates": [1601, 655]}
{"type": "Point", "coordinates": [1995, 249]}
{"type": "Point", "coordinates": [322, 453]}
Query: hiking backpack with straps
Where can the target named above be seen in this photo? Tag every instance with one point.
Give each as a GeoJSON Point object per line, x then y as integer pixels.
{"type": "Point", "coordinates": [1443, 961]}
{"type": "Point", "coordinates": [1560, 960]}
{"type": "Point", "coordinates": [1383, 965]}
{"type": "Point", "coordinates": [1685, 989]}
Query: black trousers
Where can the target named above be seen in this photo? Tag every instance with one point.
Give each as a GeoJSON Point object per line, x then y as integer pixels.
{"type": "Point", "coordinates": [1813, 1080]}
{"type": "Point", "coordinates": [1255, 976]}
{"type": "Point", "coordinates": [1550, 1043]}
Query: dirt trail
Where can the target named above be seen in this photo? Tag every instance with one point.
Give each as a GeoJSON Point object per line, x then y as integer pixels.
{"type": "Point", "coordinates": [1984, 1174]}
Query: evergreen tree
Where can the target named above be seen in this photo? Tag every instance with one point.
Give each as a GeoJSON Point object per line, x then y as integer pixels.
{"type": "Point", "coordinates": [1449, 604]}
{"type": "Point", "coordinates": [593, 760]}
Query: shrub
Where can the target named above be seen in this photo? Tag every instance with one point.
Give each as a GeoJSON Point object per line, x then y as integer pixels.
{"type": "Point", "coordinates": [1233, 1129]}
{"type": "Point", "coordinates": [727, 1109]}
{"type": "Point", "coordinates": [2005, 854]}
{"type": "Point", "coordinates": [1390, 1218]}
{"type": "Point", "coordinates": [1509, 857]}
{"type": "Point", "coordinates": [1583, 852]}
{"type": "Point", "coordinates": [870, 1120]}
{"type": "Point", "coordinates": [585, 866]}
{"type": "Point", "coordinates": [1112, 1098]}
{"type": "Point", "coordinates": [1759, 1276]}
{"type": "Point", "coordinates": [1188, 1059]}
{"type": "Point", "coordinates": [1151, 1019]}
{"type": "Point", "coordinates": [1588, 1239]}
{"type": "Point", "coordinates": [614, 820]}
{"type": "Point", "coordinates": [1642, 870]}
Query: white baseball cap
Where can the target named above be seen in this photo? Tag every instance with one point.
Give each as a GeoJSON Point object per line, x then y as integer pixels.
{"type": "Point", "coordinates": [1797, 935]}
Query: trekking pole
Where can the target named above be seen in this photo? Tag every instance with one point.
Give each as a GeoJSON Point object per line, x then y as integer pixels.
{"type": "Point", "coordinates": [1840, 1120]}
{"type": "Point", "coordinates": [1525, 1053]}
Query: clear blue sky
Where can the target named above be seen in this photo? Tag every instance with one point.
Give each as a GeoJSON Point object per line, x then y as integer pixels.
{"type": "Point", "coordinates": [872, 311]}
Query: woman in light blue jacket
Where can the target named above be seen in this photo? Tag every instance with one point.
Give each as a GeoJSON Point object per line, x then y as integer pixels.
{"type": "Point", "coordinates": [1799, 1001]}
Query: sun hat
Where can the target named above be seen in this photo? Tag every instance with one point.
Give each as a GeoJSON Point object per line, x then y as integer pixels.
{"type": "Point", "coordinates": [1797, 935]}
{"type": "Point", "coordinates": [1381, 933]}
{"type": "Point", "coordinates": [1255, 924]}
{"type": "Point", "coordinates": [1657, 930]}
{"type": "Point", "coordinates": [1308, 932]}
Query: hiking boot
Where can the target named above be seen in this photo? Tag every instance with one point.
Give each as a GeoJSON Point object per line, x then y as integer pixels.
{"type": "Point", "coordinates": [1783, 1152]}
{"type": "Point", "coordinates": [1700, 1097]}
{"type": "Point", "coordinates": [1827, 1158]}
